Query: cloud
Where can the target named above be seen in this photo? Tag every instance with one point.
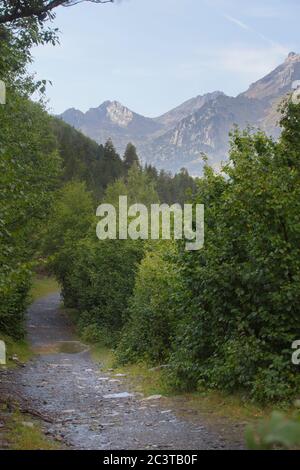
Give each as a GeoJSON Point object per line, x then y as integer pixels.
{"type": "Point", "coordinates": [237, 22]}
{"type": "Point", "coordinates": [220, 7]}
{"type": "Point", "coordinates": [246, 27]}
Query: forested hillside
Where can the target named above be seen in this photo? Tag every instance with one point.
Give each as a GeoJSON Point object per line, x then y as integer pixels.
{"type": "Point", "coordinates": [98, 165]}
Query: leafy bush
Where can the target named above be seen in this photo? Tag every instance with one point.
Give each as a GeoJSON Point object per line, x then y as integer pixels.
{"type": "Point", "coordinates": [70, 221]}
{"type": "Point", "coordinates": [14, 288]}
{"type": "Point", "coordinates": [97, 276]}
{"type": "Point", "coordinates": [242, 318]}
{"type": "Point", "coordinates": [100, 283]}
{"type": "Point", "coordinates": [91, 333]}
{"type": "Point", "coordinates": [29, 170]}
{"type": "Point", "coordinates": [152, 313]}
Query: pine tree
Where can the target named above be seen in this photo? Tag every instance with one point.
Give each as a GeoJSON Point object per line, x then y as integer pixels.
{"type": "Point", "coordinates": [130, 157]}
{"type": "Point", "coordinates": [112, 165]}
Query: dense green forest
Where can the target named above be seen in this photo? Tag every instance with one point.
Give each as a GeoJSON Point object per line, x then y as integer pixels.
{"type": "Point", "coordinates": [221, 318]}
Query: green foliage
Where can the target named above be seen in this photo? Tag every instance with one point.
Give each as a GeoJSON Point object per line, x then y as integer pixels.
{"type": "Point", "coordinates": [152, 314]}
{"type": "Point", "coordinates": [238, 327]}
{"type": "Point", "coordinates": [80, 155]}
{"type": "Point", "coordinates": [16, 40]}
{"type": "Point", "coordinates": [70, 219]}
{"type": "Point", "coordinates": [69, 222]}
{"type": "Point", "coordinates": [91, 333]}
{"type": "Point", "coordinates": [223, 317]}
{"type": "Point", "coordinates": [137, 186]}
{"type": "Point", "coordinates": [100, 283]}
{"type": "Point", "coordinates": [84, 160]}
{"type": "Point", "coordinates": [29, 170]}
{"type": "Point", "coordinates": [15, 347]}
{"type": "Point", "coordinates": [172, 189]}
{"type": "Point", "coordinates": [112, 166]}
{"type": "Point", "coordinates": [15, 283]}
{"type": "Point", "coordinates": [278, 432]}
{"type": "Point", "coordinates": [100, 167]}
{"type": "Point", "coordinates": [130, 157]}
{"type": "Point", "coordinates": [97, 276]}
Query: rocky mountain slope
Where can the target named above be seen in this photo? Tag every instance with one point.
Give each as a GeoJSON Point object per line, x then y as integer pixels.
{"type": "Point", "coordinates": [112, 119]}
{"type": "Point", "coordinates": [202, 124]}
{"type": "Point", "coordinates": [171, 118]}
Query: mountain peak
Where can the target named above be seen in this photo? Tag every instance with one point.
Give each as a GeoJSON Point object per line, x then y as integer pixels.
{"type": "Point", "coordinates": [188, 107]}
{"type": "Point", "coordinates": [278, 82]}
{"type": "Point", "coordinates": [293, 57]}
{"type": "Point", "coordinates": [107, 103]}
{"type": "Point", "coordinates": [104, 104]}
{"type": "Point", "coordinates": [201, 124]}
{"type": "Point", "coordinates": [119, 114]}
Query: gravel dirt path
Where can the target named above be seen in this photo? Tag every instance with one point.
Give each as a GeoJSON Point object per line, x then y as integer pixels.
{"type": "Point", "coordinates": [90, 409]}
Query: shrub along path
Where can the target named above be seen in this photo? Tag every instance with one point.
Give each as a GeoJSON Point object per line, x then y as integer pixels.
{"type": "Point", "coordinates": [87, 409]}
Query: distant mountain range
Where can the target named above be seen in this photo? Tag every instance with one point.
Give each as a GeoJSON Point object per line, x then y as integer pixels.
{"type": "Point", "coordinates": [179, 137]}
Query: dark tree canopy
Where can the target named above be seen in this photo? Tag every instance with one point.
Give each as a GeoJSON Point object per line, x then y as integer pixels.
{"type": "Point", "coordinates": [130, 157]}
{"type": "Point", "coordinates": [13, 10]}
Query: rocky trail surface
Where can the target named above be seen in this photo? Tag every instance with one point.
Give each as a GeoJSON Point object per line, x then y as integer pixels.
{"type": "Point", "coordinates": [85, 408]}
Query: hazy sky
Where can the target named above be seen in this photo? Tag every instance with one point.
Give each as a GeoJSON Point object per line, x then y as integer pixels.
{"type": "Point", "coordinates": [152, 55]}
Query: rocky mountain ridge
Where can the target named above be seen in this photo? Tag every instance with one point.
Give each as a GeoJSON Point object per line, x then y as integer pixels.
{"type": "Point", "coordinates": [179, 137]}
